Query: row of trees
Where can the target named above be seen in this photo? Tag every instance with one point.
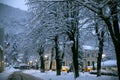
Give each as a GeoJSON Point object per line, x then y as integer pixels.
{"type": "Point", "coordinates": [51, 19]}
{"type": "Point", "coordinates": [56, 24]}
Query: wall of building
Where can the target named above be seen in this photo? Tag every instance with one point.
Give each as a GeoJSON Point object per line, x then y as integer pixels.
{"type": "Point", "coordinates": [90, 59]}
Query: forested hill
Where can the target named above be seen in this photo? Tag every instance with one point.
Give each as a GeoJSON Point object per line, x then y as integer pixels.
{"type": "Point", "coordinates": [12, 19]}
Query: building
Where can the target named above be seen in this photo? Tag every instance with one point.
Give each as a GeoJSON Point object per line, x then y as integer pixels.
{"type": "Point", "coordinates": [50, 59]}
{"type": "Point", "coordinates": [89, 57]}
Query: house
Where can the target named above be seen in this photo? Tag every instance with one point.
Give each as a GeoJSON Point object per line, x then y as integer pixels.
{"type": "Point", "coordinates": [89, 57]}
{"type": "Point", "coordinates": [50, 59]}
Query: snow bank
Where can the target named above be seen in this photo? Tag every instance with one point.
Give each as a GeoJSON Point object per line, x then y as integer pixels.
{"type": "Point", "coordinates": [8, 70]}
{"type": "Point", "coordinates": [109, 63]}
{"type": "Point", "coordinates": [86, 47]}
{"type": "Point", "coordinates": [51, 75]}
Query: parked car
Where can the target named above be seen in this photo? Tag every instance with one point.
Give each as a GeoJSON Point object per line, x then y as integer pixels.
{"type": "Point", "coordinates": [16, 67]}
{"type": "Point", "coordinates": [65, 68]}
{"type": "Point", "coordinates": [24, 66]}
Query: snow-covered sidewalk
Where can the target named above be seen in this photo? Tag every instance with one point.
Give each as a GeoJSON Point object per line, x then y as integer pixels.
{"type": "Point", "coordinates": [51, 75]}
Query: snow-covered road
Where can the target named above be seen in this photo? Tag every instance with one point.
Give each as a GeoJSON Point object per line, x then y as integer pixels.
{"type": "Point", "coordinates": [18, 75]}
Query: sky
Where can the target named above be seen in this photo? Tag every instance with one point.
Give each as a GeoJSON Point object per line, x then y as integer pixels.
{"type": "Point", "coordinates": [15, 3]}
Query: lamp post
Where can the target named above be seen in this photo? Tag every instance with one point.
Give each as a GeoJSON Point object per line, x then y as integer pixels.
{"type": "Point", "coordinates": [36, 64]}
{"type": "Point", "coordinates": [31, 63]}
{"type": "Point", "coordinates": [103, 56]}
{"type": "Point", "coordinates": [46, 63]}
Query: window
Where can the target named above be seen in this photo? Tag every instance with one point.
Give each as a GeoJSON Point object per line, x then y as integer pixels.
{"type": "Point", "coordinates": [63, 63]}
{"type": "Point", "coordinates": [93, 55]}
{"type": "Point", "coordinates": [93, 63]}
{"type": "Point", "coordinates": [88, 63]}
{"type": "Point", "coordinates": [88, 55]}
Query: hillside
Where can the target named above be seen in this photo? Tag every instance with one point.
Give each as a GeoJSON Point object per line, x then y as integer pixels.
{"type": "Point", "coordinates": [12, 19]}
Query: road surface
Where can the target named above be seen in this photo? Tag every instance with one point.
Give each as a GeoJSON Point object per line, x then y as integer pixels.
{"type": "Point", "coordinates": [18, 75]}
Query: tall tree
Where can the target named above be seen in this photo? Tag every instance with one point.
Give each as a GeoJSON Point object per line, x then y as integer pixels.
{"type": "Point", "coordinates": [41, 54]}
{"type": "Point", "coordinates": [58, 60]}
{"type": "Point", "coordinates": [100, 35]}
{"type": "Point", "coordinates": [60, 21]}
{"type": "Point", "coordinates": [72, 25]}
{"type": "Point", "coordinates": [52, 54]}
{"type": "Point", "coordinates": [108, 11]}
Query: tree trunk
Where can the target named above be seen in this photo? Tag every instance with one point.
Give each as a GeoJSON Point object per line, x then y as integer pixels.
{"type": "Point", "coordinates": [117, 50]}
{"type": "Point", "coordinates": [75, 59]}
{"type": "Point", "coordinates": [115, 39]}
{"type": "Point", "coordinates": [116, 42]}
{"type": "Point", "coordinates": [100, 53]}
{"type": "Point", "coordinates": [58, 61]}
{"type": "Point", "coordinates": [100, 36]}
{"type": "Point", "coordinates": [51, 58]}
{"type": "Point", "coordinates": [73, 34]}
{"type": "Point", "coordinates": [42, 66]}
{"type": "Point", "coordinates": [75, 56]}
{"type": "Point", "coordinates": [113, 28]}
{"type": "Point", "coordinates": [42, 62]}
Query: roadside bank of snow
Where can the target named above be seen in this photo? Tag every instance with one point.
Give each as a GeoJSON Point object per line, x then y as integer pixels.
{"type": "Point", "coordinates": [51, 75]}
{"type": "Point", "coordinates": [4, 75]}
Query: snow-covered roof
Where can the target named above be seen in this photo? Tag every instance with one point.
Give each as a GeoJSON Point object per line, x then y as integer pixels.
{"type": "Point", "coordinates": [109, 63]}
{"type": "Point", "coordinates": [23, 64]}
{"type": "Point", "coordinates": [87, 47]}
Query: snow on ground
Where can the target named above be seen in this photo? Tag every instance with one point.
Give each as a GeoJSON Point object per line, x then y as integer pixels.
{"type": "Point", "coordinates": [9, 70]}
{"type": "Point", "coordinates": [109, 63]}
{"type": "Point", "coordinates": [51, 75]}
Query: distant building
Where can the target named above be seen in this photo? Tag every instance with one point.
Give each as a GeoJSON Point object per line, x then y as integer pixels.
{"type": "Point", "coordinates": [89, 57]}
{"type": "Point", "coordinates": [50, 59]}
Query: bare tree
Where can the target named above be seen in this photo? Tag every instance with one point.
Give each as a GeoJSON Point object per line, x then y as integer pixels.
{"type": "Point", "coordinates": [73, 32]}
{"type": "Point", "coordinates": [41, 54]}
{"type": "Point", "coordinates": [58, 60]}
{"type": "Point", "coordinates": [100, 35]}
{"type": "Point", "coordinates": [108, 11]}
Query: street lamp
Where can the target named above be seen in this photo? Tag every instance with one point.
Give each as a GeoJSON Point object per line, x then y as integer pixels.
{"type": "Point", "coordinates": [103, 56]}
{"type": "Point", "coordinates": [46, 58]}
{"type": "Point", "coordinates": [30, 63]}
{"type": "Point", "coordinates": [36, 63]}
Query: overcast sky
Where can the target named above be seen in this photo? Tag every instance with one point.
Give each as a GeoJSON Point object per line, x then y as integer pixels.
{"type": "Point", "coordinates": [15, 3]}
